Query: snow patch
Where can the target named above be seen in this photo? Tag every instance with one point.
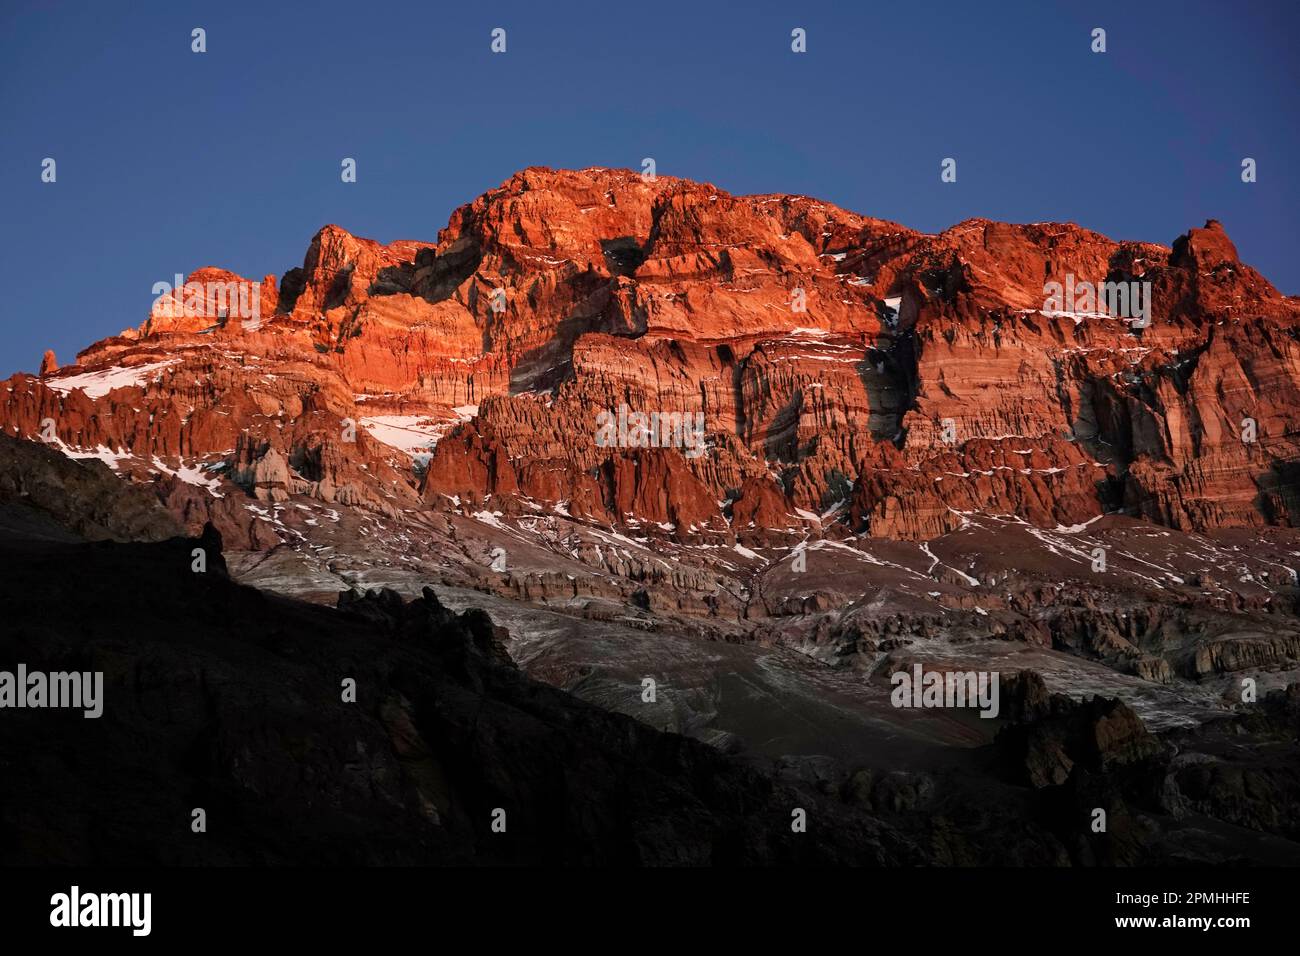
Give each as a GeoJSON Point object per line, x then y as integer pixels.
{"type": "Point", "coordinates": [98, 384]}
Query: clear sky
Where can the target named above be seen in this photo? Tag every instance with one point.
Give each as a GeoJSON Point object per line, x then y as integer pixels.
{"type": "Point", "coordinates": [168, 160]}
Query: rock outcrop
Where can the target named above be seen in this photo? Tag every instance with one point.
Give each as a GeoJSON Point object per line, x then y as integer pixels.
{"type": "Point", "coordinates": [796, 358]}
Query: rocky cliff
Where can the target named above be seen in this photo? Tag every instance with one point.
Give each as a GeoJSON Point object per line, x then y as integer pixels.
{"type": "Point", "coordinates": [831, 361]}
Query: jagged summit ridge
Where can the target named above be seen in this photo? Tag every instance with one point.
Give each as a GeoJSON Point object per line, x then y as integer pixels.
{"type": "Point", "coordinates": [843, 368]}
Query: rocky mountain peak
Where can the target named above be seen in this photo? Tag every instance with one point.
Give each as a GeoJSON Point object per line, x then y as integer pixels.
{"type": "Point", "coordinates": [840, 368]}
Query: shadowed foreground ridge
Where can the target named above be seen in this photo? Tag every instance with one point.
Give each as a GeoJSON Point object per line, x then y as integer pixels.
{"type": "Point", "coordinates": [220, 696]}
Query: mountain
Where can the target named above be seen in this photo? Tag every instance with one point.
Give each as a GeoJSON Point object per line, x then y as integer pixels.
{"type": "Point", "coordinates": [872, 446]}
{"type": "Point", "coordinates": [673, 296]}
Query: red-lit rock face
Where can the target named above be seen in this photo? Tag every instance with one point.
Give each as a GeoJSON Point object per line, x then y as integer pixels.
{"type": "Point", "coordinates": [797, 359]}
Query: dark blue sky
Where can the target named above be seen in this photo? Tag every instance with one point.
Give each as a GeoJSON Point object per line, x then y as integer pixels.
{"type": "Point", "coordinates": [170, 160]}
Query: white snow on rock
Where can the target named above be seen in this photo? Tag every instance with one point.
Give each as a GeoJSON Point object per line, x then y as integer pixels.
{"type": "Point", "coordinates": [488, 518]}
{"type": "Point", "coordinates": [414, 435]}
{"type": "Point", "coordinates": [100, 383]}
{"type": "Point", "coordinates": [1075, 528]}
{"type": "Point", "coordinates": [105, 454]}
{"type": "Point", "coordinates": [191, 475]}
